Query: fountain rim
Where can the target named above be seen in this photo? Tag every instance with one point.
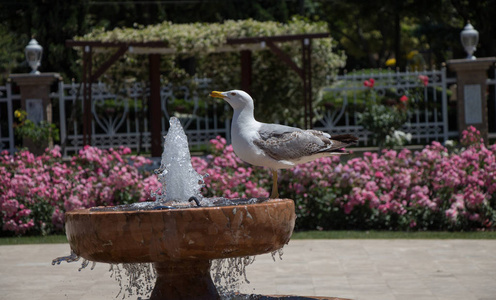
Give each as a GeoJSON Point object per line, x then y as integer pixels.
{"type": "Point", "coordinates": [176, 209]}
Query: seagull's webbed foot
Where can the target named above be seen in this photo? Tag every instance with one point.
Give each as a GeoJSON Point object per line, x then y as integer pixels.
{"type": "Point", "coordinates": [274, 194]}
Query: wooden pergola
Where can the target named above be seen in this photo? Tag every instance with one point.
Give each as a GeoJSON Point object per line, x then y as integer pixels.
{"type": "Point", "coordinates": [154, 50]}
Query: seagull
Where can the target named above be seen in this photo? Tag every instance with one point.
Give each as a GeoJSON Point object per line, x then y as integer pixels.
{"type": "Point", "coordinates": [276, 146]}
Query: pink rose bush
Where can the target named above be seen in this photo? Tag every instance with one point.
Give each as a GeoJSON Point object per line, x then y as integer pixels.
{"type": "Point", "coordinates": [228, 176]}
{"type": "Point", "coordinates": [431, 189]}
{"type": "Point", "coordinates": [37, 191]}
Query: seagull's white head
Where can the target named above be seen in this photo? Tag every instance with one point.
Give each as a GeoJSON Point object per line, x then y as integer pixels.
{"type": "Point", "coordinates": [236, 98]}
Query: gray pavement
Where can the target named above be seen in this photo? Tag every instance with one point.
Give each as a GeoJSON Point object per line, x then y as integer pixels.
{"type": "Point", "coordinates": [355, 269]}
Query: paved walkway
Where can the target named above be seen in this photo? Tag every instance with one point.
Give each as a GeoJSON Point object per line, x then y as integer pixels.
{"type": "Point", "coordinates": [355, 269]}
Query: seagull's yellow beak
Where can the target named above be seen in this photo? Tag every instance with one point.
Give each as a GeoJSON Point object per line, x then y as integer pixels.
{"type": "Point", "coordinates": [216, 94]}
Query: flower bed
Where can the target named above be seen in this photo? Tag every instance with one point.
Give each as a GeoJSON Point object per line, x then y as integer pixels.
{"type": "Point", "coordinates": [433, 189]}
{"type": "Point", "coordinates": [37, 191]}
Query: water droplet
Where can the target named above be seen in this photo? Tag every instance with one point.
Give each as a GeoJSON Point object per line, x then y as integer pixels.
{"type": "Point", "coordinates": [70, 258]}
{"type": "Point", "coordinates": [84, 264]}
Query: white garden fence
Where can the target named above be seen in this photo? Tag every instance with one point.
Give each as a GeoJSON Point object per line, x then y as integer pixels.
{"type": "Point", "coordinates": [428, 119]}
{"type": "Point", "coordinates": [8, 102]}
{"type": "Point", "coordinates": [120, 119]}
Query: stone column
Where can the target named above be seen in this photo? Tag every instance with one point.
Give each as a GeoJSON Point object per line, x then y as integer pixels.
{"type": "Point", "coordinates": [35, 100]}
{"type": "Point", "coordinates": [471, 80]}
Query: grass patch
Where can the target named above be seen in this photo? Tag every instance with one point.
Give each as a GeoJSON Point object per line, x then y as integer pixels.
{"type": "Point", "coordinates": [24, 240]}
{"type": "Point", "coordinates": [304, 235]}
{"type": "Point", "coordinates": [429, 235]}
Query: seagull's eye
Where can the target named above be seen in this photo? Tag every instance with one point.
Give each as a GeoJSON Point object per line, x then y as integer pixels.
{"type": "Point", "coordinates": [233, 94]}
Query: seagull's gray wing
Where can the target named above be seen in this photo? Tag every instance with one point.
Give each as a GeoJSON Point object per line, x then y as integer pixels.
{"type": "Point", "coordinates": [289, 143]}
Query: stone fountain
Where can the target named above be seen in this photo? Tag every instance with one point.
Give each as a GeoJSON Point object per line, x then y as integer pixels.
{"type": "Point", "coordinates": [181, 240]}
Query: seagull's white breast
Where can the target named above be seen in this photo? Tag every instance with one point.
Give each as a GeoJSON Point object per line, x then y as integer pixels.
{"type": "Point", "coordinates": [242, 141]}
{"type": "Point", "coordinates": [243, 134]}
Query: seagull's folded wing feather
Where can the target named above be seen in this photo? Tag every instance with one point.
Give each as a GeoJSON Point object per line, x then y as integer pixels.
{"type": "Point", "coordinates": [289, 143]}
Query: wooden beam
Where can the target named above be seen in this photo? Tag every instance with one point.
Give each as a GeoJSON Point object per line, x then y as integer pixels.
{"type": "Point", "coordinates": [285, 57]}
{"type": "Point", "coordinates": [155, 106]}
{"type": "Point", "coordinates": [100, 44]}
{"type": "Point", "coordinates": [306, 46]}
{"type": "Point", "coordinates": [162, 47]}
{"type": "Point", "coordinates": [163, 44]}
{"type": "Point", "coordinates": [246, 71]}
{"type": "Point", "coordinates": [108, 63]}
{"type": "Point", "coordinates": [277, 38]}
{"type": "Point", "coordinates": [87, 113]}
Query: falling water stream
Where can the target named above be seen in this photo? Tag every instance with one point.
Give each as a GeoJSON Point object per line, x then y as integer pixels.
{"type": "Point", "coordinates": [176, 171]}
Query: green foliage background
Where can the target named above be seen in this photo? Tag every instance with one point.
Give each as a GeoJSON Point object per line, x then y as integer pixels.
{"type": "Point", "coordinates": [370, 32]}
{"type": "Point", "coordinates": [276, 88]}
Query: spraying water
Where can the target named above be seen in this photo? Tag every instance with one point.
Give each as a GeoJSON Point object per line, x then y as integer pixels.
{"type": "Point", "coordinates": [179, 180]}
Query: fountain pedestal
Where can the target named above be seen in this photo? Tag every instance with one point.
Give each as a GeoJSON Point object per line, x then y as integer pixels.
{"type": "Point", "coordinates": [186, 279]}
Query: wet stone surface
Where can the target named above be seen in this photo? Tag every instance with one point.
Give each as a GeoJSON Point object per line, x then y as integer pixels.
{"type": "Point", "coordinates": [197, 203]}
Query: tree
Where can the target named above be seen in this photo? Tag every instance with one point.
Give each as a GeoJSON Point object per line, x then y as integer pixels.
{"type": "Point", "coordinates": [51, 23]}
{"type": "Point", "coordinates": [10, 52]}
{"type": "Point", "coordinates": [370, 32]}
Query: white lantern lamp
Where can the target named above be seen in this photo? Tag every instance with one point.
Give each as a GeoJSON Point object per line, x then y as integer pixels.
{"type": "Point", "coordinates": [469, 37]}
{"type": "Point", "coordinates": [33, 53]}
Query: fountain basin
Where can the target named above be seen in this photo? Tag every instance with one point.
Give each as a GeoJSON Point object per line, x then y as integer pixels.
{"type": "Point", "coordinates": [184, 233]}
{"type": "Point", "coordinates": [181, 242]}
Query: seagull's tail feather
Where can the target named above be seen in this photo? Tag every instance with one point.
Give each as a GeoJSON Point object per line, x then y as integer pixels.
{"type": "Point", "coordinates": [339, 142]}
{"type": "Point", "coordinates": [347, 139]}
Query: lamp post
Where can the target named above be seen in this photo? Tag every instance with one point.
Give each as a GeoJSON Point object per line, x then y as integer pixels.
{"type": "Point", "coordinates": [33, 53]}
{"type": "Point", "coordinates": [471, 81]}
{"type": "Point", "coordinates": [35, 94]}
{"type": "Point", "coordinates": [469, 38]}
